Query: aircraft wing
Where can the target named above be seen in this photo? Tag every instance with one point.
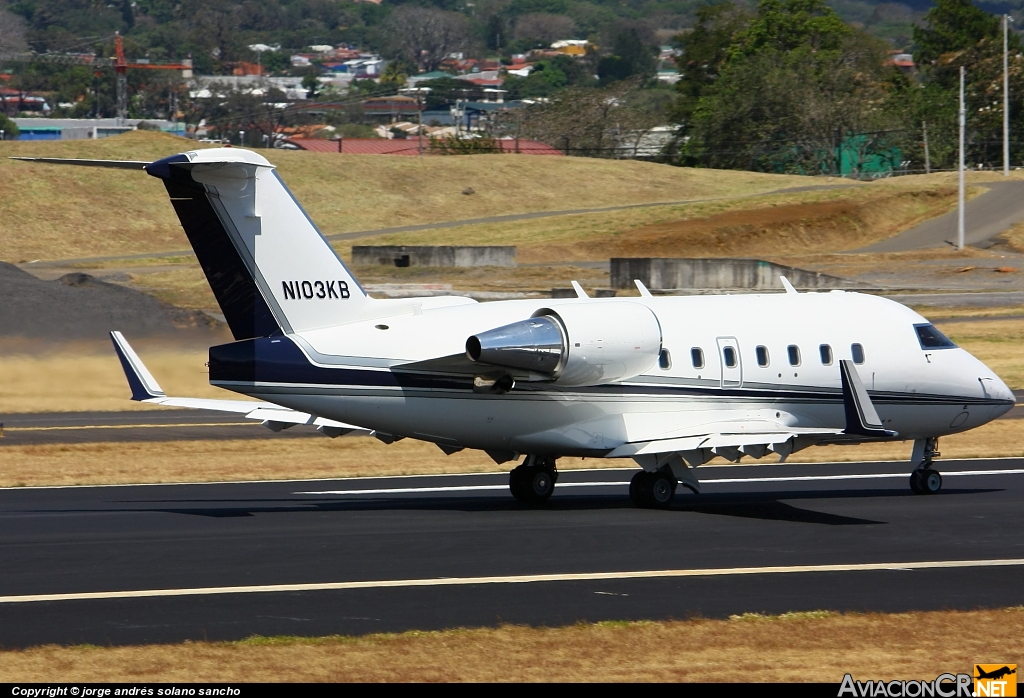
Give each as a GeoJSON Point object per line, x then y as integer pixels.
{"type": "Point", "coordinates": [275, 417]}
{"type": "Point", "coordinates": [758, 438]}
{"type": "Point", "coordinates": [724, 440]}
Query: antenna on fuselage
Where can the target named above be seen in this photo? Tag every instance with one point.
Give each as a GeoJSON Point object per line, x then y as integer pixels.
{"type": "Point", "coordinates": [641, 288]}
{"type": "Point", "coordinates": [580, 293]}
{"type": "Point", "coordinates": [788, 286]}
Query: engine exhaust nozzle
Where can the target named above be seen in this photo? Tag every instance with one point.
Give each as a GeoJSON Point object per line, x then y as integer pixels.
{"type": "Point", "coordinates": [537, 345]}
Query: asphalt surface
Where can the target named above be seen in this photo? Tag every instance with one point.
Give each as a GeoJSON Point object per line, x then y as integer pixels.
{"type": "Point", "coordinates": [168, 425]}
{"type": "Point", "coordinates": [134, 426]}
{"type": "Point", "coordinates": [393, 554]}
{"type": "Point", "coordinates": [985, 216]}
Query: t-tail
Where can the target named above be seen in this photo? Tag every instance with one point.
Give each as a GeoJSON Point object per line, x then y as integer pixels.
{"type": "Point", "coordinates": [270, 268]}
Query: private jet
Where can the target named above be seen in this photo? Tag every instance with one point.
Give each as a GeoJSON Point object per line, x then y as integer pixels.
{"type": "Point", "coordinates": [670, 382]}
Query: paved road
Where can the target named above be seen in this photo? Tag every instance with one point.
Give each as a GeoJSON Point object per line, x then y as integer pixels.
{"type": "Point", "coordinates": [391, 554]}
{"type": "Point", "coordinates": [985, 216]}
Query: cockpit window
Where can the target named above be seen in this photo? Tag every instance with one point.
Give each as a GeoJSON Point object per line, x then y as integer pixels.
{"type": "Point", "coordinates": [931, 338]}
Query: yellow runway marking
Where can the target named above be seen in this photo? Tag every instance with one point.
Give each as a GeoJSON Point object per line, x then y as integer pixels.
{"type": "Point", "coordinates": [512, 579]}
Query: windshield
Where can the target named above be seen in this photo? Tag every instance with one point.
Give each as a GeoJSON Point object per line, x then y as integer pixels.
{"type": "Point", "coordinates": [931, 338]}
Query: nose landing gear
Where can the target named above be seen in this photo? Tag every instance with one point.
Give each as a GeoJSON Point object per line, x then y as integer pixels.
{"type": "Point", "coordinates": [534, 480]}
{"type": "Point", "coordinates": [925, 479]}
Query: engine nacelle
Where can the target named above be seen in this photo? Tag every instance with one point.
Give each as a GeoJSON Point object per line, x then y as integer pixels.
{"type": "Point", "coordinates": [575, 344]}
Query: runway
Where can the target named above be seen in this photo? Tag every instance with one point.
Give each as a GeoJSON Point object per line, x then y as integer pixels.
{"type": "Point", "coordinates": [168, 425]}
{"type": "Point", "coordinates": [163, 563]}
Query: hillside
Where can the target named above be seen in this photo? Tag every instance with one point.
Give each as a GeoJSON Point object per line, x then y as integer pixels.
{"type": "Point", "coordinates": [53, 212]}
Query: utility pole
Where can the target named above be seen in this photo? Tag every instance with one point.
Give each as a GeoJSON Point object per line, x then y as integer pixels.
{"type": "Point", "coordinates": [927, 155]}
{"type": "Point", "coordinates": [960, 209]}
{"type": "Point", "coordinates": [1006, 97]}
{"type": "Point", "coordinates": [121, 70]}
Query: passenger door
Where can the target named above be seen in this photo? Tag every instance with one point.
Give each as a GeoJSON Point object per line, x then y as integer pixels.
{"type": "Point", "coordinates": [729, 358]}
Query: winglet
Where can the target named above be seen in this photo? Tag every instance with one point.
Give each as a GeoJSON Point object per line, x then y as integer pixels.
{"type": "Point", "coordinates": [140, 380]}
{"type": "Point", "coordinates": [580, 293]}
{"type": "Point", "coordinates": [641, 288]}
{"type": "Point", "coordinates": [788, 286]}
{"type": "Point", "coordinates": [861, 417]}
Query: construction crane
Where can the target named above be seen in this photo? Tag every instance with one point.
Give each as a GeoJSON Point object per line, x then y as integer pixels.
{"type": "Point", "coordinates": [119, 63]}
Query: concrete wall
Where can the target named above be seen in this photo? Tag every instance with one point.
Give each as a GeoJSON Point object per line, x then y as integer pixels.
{"type": "Point", "coordinates": [440, 256]}
{"type": "Point", "coordinates": [683, 273]}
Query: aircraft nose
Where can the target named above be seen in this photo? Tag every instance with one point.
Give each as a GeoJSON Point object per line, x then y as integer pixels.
{"type": "Point", "coordinates": [994, 387]}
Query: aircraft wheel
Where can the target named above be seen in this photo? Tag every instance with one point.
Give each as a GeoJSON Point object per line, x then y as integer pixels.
{"type": "Point", "coordinates": [636, 489]}
{"type": "Point", "coordinates": [931, 481]}
{"type": "Point", "coordinates": [662, 489]}
{"type": "Point", "coordinates": [916, 486]}
{"type": "Point", "coordinates": [532, 484]}
{"type": "Point", "coordinates": [517, 484]}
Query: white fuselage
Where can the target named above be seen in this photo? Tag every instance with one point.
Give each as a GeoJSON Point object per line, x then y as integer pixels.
{"type": "Point", "coordinates": [918, 392]}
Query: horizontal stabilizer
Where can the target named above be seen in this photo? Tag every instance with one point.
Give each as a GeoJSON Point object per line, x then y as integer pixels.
{"type": "Point", "coordinates": [113, 164]}
{"type": "Point", "coordinates": [861, 417]}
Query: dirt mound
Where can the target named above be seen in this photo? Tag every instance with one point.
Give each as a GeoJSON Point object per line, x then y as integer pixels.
{"type": "Point", "coordinates": [793, 228]}
{"type": "Point", "coordinates": [79, 306]}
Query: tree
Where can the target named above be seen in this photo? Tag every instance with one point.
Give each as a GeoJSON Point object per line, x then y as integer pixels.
{"type": "Point", "coordinates": [425, 36]}
{"type": "Point", "coordinates": [705, 49]}
{"type": "Point", "coordinates": [9, 128]}
{"type": "Point", "coordinates": [395, 74]}
{"type": "Point", "coordinates": [13, 30]}
{"type": "Point", "coordinates": [540, 29]}
{"type": "Point", "coordinates": [952, 25]}
{"type": "Point", "coordinates": [586, 120]}
{"type": "Point", "coordinates": [793, 25]}
{"type": "Point", "coordinates": [789, 111]}
{"type": "Point", "coordinates": [629, 57]}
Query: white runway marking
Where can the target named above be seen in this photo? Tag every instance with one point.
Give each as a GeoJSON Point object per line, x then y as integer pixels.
{"type": "Point", "coordinates": [620, 483]}
{"type": "Point", "coordinates": [512, 579]}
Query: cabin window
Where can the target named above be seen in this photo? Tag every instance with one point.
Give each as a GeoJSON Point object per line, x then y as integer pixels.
{"type": "Point", "coordinates": [794, 354]}
{"type": "Point", "coordinates": [858, 353]}
{"type": "Point", "coordinates": [826, 354]}
{"type": "Point", "coordinates": [762, 356]}
{"type": "Point", "coordinates": [931, 338]}
{"type": "Point", "coordinates": [697, 357]}
{"type": "Point", "coordinates": [729, 354]}
{"type": "Point", "coordinates": [665, 359]}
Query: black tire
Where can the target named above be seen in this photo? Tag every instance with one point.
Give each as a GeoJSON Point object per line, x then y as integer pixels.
{"type": "Point", "coordinates": [916, 486]}
{"type": "Point", "coordinates": [662, 490]}
{"type": "Point", "coordinates": [540, 483]}
{"type": "Point", "coordinates": [532, 484]}
{"type": "Point", "coordinates": [516, 484]}
{"type": "Point", "coordinates": [636, 488]}
{"type": "Point", "coordinates": [931, 481]}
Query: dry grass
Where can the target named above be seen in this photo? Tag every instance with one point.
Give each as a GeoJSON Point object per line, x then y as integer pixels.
{"type": "Point", "coordinates": [320, 457]}
{"type": "Point", "coordinates": [88, 376]}
{"type": "Point", "coordinates": [797, 647]}
{"type": "Point", "coordinates": [768, 226]}
{"type": "Point", "coordinates": [995, 342]}
{"type": "Point", "coordinates": [51, 212]}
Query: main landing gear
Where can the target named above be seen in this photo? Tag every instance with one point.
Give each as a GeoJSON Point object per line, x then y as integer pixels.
{"type": "Point", "coordinates": [925, 479]}
{"type": "Point", "coordinates": [534, 480]}
{"type": "Point", "coordinates": [653, 490]}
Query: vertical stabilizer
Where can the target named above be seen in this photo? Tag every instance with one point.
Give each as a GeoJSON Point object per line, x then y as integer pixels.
{"type": "Point", "coordinates": [269, 266]}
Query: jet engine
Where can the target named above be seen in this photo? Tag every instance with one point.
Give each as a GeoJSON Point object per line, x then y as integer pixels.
{"type": "Point", "coordinates": [575, 344]}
